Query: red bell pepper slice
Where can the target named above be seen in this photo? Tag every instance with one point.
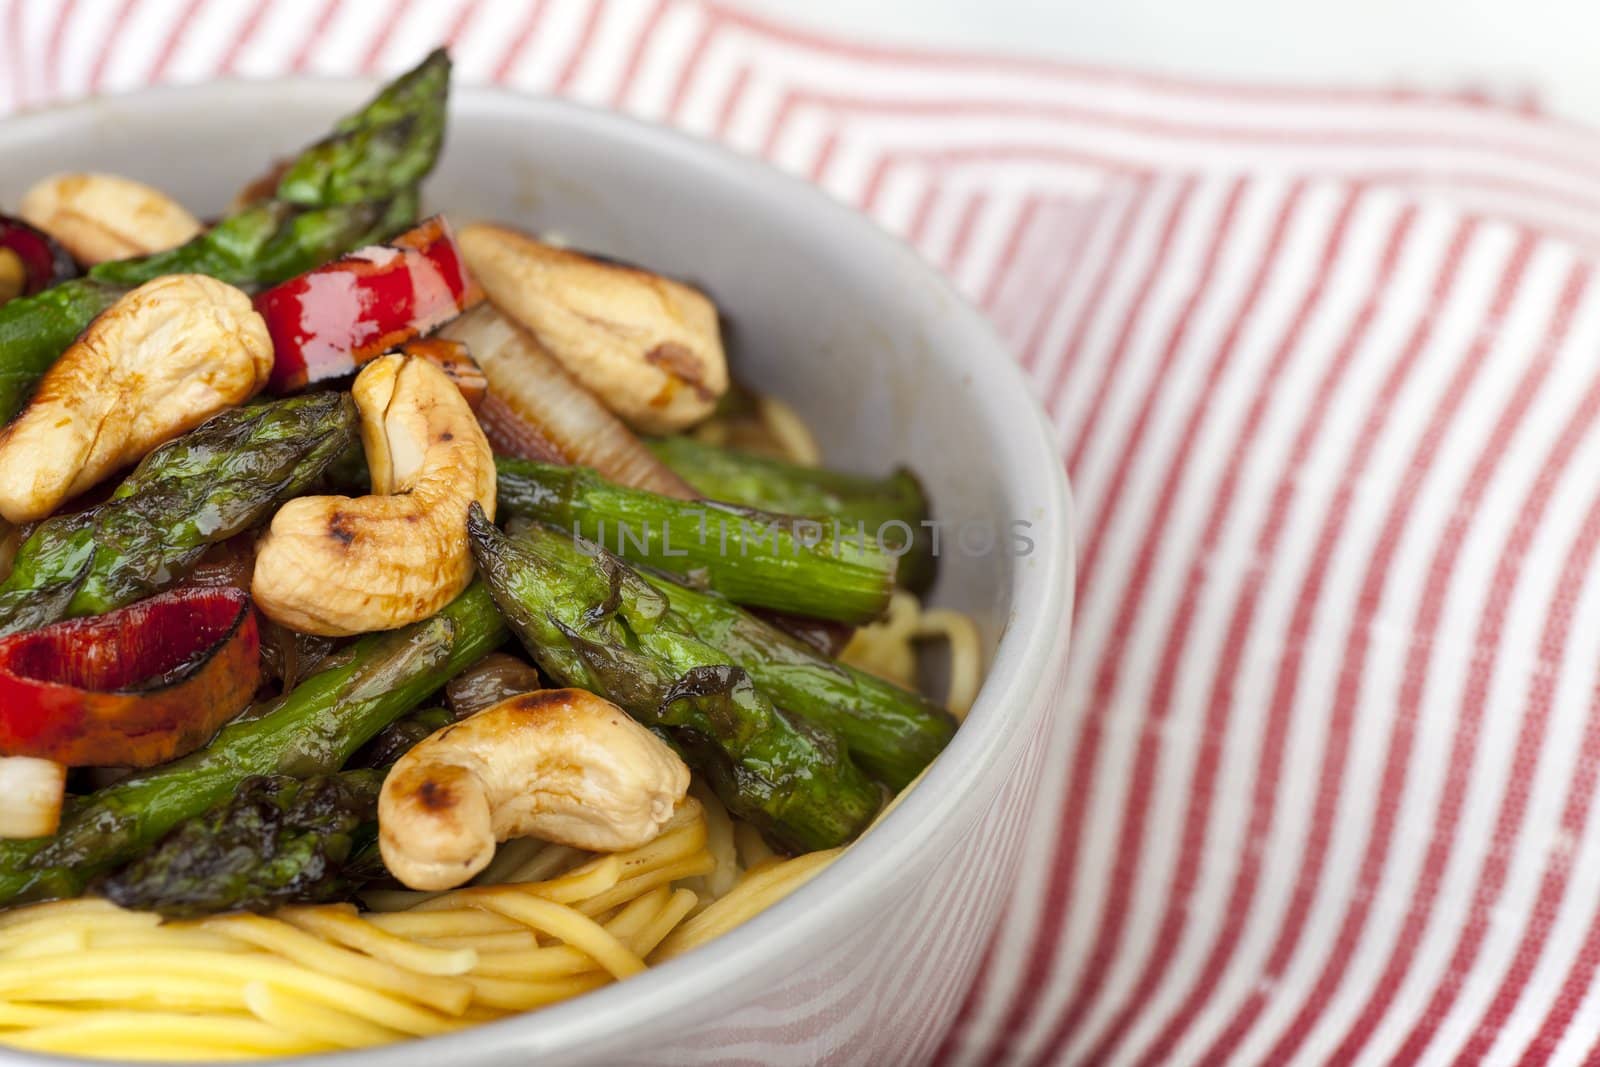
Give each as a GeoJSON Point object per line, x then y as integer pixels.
{"type": "Point", "coordinates": [30, 260]}
{"type": "Point", "coordinates": [132, 688]}
{"type": "Point", "coordinates": [327, 322]}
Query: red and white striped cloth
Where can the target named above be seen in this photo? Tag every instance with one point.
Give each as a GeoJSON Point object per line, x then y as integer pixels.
{"type": "Point", "coordinates": [1326, 368]}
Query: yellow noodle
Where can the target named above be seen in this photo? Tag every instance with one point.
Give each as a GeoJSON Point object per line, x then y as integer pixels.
{"type": "Point", "coordinates": [966, 654]}
{"type": "Point", "coordinates": [350, 930]}
{"type": "Point", "coordinates": [176, 1050]}
{"type": "Point", "coordinates": [170, 936]}
{"type": "Point", "coordinates": [141, 989]}
{"type": "Point", "coordinates": [753, 848]}
{"type": "Point", "coordinates": [570, 926]}
{"type": "Point", "coordinates": [51, 943]}
{"type": "Point", "coordinates": [789, 432]}
{"type": "Point", "coordinates": [765, 865]}
{"type": "Point", "coordinates": [510, 941]}
{"type": "Point", "coordinates": [108, 1031]}
{"type": "Point", "coordinates": [462, 922]}
{"type": "Point", "coordinates": [510, 995]}
{"type": "Point", "coordinates": [676, 909]}
{"type": "Point", "coordinates": [449, 995]}
{"type": "Point", "coordinates": [13, 1015]}
{"type": "Point", "coordinates": [86, 906]}
{"type": "Point", "coordinates": [551, 961]}
{"type": "Point", "coordinates": [222, 969]}
{"type": "Point", "coordinates": [314, 1021]}
{"type": "Point", "coordinates": [67, 928]}
{"type": "Point", "coordinates": [688, 867]}
{"type": "Point", "coordinates": [556, 961]}
{"type": "Point", "coordinates": [885, 647]}
{"type": "Point", "coordinates": [580, 883]}
{"type": "Point", "coordinates": [638, 913]}
{"type": "Point", "coordinates": [719, 841]}
{"type": "Point", "coordinates": [755, 894]}
{"type": "Point", "coordinates": [673, 845]}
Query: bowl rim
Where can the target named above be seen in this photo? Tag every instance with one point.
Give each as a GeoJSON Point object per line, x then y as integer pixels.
{"type": "Point", "coordinates": [1026, 660]}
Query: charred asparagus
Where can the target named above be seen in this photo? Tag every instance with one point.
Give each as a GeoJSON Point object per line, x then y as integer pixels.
{"type": "Point", "coordinates": [278, 840]}
{"type": "Point", "coordinates": [590, 621]}
{"type": "Point", "coordinates": [311, 730]}
{"type": "Point", "coordinates": [892, 732]}
{"type": "Point", "coordinates": [751, 557]}
{"type": "Point", "coordinates": [353, 188]}
{"type": "Point", "coordinates": [225, 476]}
{"type": "Point", "coordinates": [856, 502]}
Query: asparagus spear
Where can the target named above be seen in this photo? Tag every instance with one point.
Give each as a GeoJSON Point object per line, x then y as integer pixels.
{"type": "Point", "coordinates": [386, 146]}
{"type": "Point", "coordinates": [311, 730]}
{"type": "Point", "coordinates": [225, 476]}
{"type": "Point", "coordinates": [34, 330]}
{"type": "Point", "coordinates": [855, 501]}
{"type": "Point", "coordinates": [751, 557]}
{"type": "Point", "coordinates": [276, 841]}
{"type": "Point", "coordinates": [892, 732]}
{"type": "Point", "coordinates": [269, 242]}
{"type": "Point", "coordinates": [381, 153]}
{"type": "Point", "coordinates": [590, 621]}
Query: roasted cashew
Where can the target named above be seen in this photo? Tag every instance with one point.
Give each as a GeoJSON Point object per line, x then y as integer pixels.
{"type": "Point", "coordinates": [157, 363]}
{"type": "Point", "coordinates": [98, 217]}
{"type": "Point", "coordinates": [562, 765]}
{"type": "Point", "coordinates": [336, 565]}
{"type": "Point", "coordinates": [647, 346]}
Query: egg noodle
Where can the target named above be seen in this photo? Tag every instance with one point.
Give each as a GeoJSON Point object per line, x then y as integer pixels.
{"type": "Point", "coordinates": [543, 923]}
{"type": "Point", "coordinates": [87, 978]}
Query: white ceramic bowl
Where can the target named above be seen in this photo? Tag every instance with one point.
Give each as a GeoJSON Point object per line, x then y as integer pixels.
{"type": "Point", "coordinates": [867, 963]}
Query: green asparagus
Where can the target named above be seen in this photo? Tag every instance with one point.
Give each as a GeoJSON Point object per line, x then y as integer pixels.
{"type": "Point", "coordinates": [892, 732]}
{"type": "Point", "coordinates": [388, 145]}
{"type": "Point", "coordinates": [226, 476]}
{"type": "Point", "coordinates": [277, 841]}
{"type": "Point", "coordinates": [269, 242]}
{"type": "Point", "coordinates": [590, 621]}
{"type": "Point", "coordinates": [751, 557]}
{"type": "Point", "coordinates": [856, 502]}
{"type": "Point", "coordinates": [381, 152]}
{"type": "Point", "coordinates": [312, 730]}
{"type": "Point", "coordinates": [34, 330]}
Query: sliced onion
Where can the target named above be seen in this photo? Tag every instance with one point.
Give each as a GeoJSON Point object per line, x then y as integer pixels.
{"type": "Point", "coordinates": [536, 410]}
{"type": "Point", "coordinates": [31, 793]}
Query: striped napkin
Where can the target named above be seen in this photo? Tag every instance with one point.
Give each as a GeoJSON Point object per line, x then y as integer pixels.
{"type": "Point", "coordinates": [1324, 367]}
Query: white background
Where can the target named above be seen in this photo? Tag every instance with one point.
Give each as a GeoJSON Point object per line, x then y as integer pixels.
{"type": "Point", "coordinates": [1506, 46]}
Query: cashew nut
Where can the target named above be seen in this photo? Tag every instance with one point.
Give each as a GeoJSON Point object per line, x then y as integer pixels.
{"type": "Point", "coordinates": [647, 346]}
{"type": "Point", "coordinates": [336, 565]}
{"type": "Point", "coordinates": [98, 217]}
{"type": "Point", "coordinates": [563, 765]}
{"type": "Point", "coordinates": [157, 363]}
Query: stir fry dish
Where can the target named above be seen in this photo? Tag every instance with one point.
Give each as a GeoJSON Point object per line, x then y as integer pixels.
{"type": "Point", "coordinates": [403, 627]}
